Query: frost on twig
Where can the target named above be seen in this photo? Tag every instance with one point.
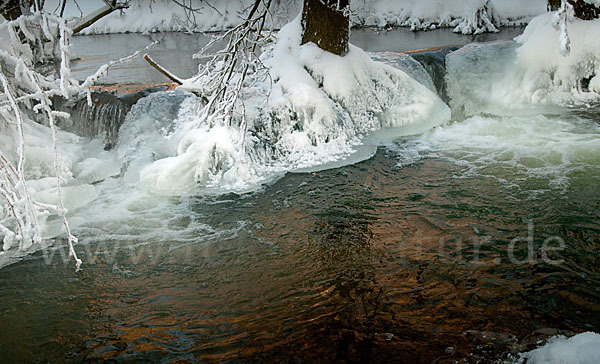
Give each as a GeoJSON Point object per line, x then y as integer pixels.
{"type": "Point", "coordinates": [26, 93]}
{"type": "Point", "coordinates": [235, 67]}
{"type": "Point", "coordinates": [33, 39]}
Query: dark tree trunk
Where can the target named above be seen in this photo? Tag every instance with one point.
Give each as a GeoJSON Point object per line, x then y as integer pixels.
{"type": "Point", "coordinates": [582, 9]}
{"type": "Point", "coordinates": [11, 9]}
{"type": "Point", "coordinates": [325, 25]}
{"type": "Point", "coordinates": [553, 5]}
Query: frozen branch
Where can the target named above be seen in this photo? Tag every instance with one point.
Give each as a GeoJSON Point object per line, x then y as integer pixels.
{"type": "Point", "coordinates": [23, 91]}
{"type": "Point", "coordinates": [98, 14]}
{"type": "Point", "coordinates": [226, 72]}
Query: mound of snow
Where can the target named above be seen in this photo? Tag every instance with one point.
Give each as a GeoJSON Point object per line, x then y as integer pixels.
{"type": "Point", "coordinates": [553, 76]}
{"type": "Point", "coordinates": [579, 349]}
{"type": "Point", "coordinates": [529, 72]}
{"type": "Point", "coordinates": [319, 109]}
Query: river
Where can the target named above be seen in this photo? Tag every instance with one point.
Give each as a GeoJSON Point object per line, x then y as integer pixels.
{"type": "Point", "coordinates": [469, 242]}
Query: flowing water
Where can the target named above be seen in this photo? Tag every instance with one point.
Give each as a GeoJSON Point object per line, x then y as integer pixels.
{"type": "Point", "coordinates": [466, 242]}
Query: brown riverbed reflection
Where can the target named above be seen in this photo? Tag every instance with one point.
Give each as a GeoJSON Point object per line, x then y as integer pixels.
{"type": "Point", "coordinates": [367, 263]}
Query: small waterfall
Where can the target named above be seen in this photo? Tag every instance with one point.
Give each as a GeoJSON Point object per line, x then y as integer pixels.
{"type": "Point", "coordinates": [104, 116]}
{"type": "Point", "coordinates": [434, 62]}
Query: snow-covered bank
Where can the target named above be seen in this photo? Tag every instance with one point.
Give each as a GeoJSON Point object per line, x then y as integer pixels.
{"type": "Point", "coordinates": [465, 16]}
{"type": "Point", "coordinates": [579, 349]}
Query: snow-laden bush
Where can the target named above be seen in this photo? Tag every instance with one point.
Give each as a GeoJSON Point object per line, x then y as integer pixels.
{"type": "Point", "coordinates": [24, 44]}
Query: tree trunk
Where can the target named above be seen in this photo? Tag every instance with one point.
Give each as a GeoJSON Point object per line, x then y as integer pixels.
{"type": "Point", "coordinates": [11, 9]}
{"type": "Point", "coordinates": [553, 5]}
{"type": "Point", "coordinates": [324, 24]}
{"type": "Point", "coordinates": [582, 9]}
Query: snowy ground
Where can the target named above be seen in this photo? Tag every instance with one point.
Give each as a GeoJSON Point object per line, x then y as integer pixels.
{"type": "Point", "coordinates": [465, 16]}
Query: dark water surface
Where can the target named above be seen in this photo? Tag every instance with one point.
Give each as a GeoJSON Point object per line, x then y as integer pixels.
{"type": "Point", "coordinates": [369, 262]}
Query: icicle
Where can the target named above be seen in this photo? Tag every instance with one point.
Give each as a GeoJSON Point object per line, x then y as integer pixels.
{"type": "Point", "coordinates": [560, 20]}
{"type": "Point", "coordinates": [65, 52]}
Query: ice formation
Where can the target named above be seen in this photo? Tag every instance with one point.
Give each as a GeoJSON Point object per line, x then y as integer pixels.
{"type": "Point", "coordinates": [535, 69]}
{"type": "Point", "coordinates": [319, 108]}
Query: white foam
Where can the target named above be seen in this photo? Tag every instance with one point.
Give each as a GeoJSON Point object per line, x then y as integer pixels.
{"type": "Point", "coordinates": [530, 153]}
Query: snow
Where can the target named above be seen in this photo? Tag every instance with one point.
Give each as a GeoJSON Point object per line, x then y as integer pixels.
{"type": "Point", "coordinates": [537, 69]}
{"type": "Point", "coordinates": [580, 349]}
{"type": "Point", "coordinates": [465, 16]}
{"type": "Point", "coordinates": [320, 108]}
{"type": "Point", "coordinates": [552, 75]}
